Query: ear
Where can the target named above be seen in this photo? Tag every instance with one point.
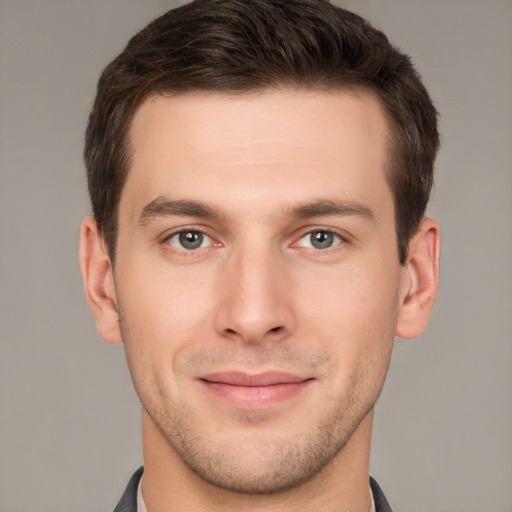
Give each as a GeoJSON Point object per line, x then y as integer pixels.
{"type": "Point", "coordinates": [419, 281]}
{"type": "Point", "coordinates": [98, 279]}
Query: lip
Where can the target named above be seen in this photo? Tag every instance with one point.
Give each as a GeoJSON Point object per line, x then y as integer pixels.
{"type": "Point", "coordinates": [254, 391]}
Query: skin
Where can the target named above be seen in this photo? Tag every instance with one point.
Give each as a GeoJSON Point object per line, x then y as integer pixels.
{"type": "Point", "coordinates": [255, 178]}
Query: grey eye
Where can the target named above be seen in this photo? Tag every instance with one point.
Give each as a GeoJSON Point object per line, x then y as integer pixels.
{"type": "Point", "coordinates": [190, 240]}
{"type": "Point", "coordinates": [320, 239]}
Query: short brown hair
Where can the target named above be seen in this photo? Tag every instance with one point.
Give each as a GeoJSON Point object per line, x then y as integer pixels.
{"type": "Point", "coordinates": [237, 46]}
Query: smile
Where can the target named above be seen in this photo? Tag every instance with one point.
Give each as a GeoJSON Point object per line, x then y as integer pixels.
{"type": "Point", "coordinates": [246, 391]}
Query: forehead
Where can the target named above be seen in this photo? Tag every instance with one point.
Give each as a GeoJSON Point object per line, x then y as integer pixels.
{"type": "Point", "coordinates": [341, 114]}
{"type": "Point", "coordinates": [220, 146]}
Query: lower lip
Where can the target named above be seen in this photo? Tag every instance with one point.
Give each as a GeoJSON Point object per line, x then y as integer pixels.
{"type": "Point", "coordinates": [256, 397]}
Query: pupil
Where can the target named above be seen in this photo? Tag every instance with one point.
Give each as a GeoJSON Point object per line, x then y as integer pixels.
{"type": "Point", "coordinates": [191, 239]}
{"type": "Point", "coordinates": [321, 239]}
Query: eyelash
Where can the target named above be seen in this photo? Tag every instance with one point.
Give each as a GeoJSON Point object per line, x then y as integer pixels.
{"type": "Point", "coordinates": [185, 231]}
{"type": "Point", "coordinates": [339, 239]}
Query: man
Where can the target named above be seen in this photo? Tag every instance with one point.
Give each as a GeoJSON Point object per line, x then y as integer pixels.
{"type": "Point", "coordinates": [259, 172]}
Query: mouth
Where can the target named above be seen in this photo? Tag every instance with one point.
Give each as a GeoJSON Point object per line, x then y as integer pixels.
{"type": "Point", "coordinates": [254, 391]}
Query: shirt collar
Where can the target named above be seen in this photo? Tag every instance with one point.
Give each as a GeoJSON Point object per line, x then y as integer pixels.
{"type": "Point", "coordinates": [141, 506]}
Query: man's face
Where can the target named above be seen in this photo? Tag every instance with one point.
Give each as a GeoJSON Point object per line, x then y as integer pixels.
{"type": "Point", "coordinates": [257, 278]}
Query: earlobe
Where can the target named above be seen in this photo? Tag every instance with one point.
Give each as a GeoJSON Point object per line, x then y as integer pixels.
{"type": "Point", "coordinates": [98, 277]}
{"type": "Point", "coordinates": [420, 279]}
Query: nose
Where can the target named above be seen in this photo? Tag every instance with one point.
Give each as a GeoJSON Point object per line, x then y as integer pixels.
{"type": "Point", "coordinates": [256, 297]}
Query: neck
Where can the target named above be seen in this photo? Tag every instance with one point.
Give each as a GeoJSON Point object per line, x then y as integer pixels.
{"type": "Point", "coordinates": [341, 486]}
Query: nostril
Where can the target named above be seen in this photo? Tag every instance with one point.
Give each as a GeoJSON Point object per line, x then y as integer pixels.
{"type": "Point", "coordinates": [275, 329]}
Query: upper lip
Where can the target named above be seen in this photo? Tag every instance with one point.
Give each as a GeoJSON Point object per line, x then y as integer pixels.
{"type": "Point", "coordinates": [253, 380]}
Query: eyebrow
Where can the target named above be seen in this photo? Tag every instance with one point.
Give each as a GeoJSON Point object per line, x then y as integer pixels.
{"type": "Point", "coordinates": [163, 207]}
{"type": "Point", "coordinates": [324, 207]}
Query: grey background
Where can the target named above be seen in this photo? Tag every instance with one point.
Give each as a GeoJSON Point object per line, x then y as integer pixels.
{"type": "Point", "coordinates": [69, 419]}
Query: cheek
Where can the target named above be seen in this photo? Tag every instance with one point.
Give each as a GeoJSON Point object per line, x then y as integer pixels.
{"type": "Point", "coordinates": [353, 314]}
{"type": "Point", "coordinates": [162, 315]}
{"type": "Point", "coordinates": [158, 298]}
{"type": "Point", "coordinates": [351, 298]}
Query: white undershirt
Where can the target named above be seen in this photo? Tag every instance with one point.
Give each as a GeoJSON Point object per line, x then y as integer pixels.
{"type": "Point", "coordinates": [141, 506]}
{"type": "Point", "coordinates": [372, 503]}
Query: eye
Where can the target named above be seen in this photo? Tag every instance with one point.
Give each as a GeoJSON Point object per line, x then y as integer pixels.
{"type": "Point", "coordinates": [320, 239]}
{"type": "Point", "coordinates": [189, 240]}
